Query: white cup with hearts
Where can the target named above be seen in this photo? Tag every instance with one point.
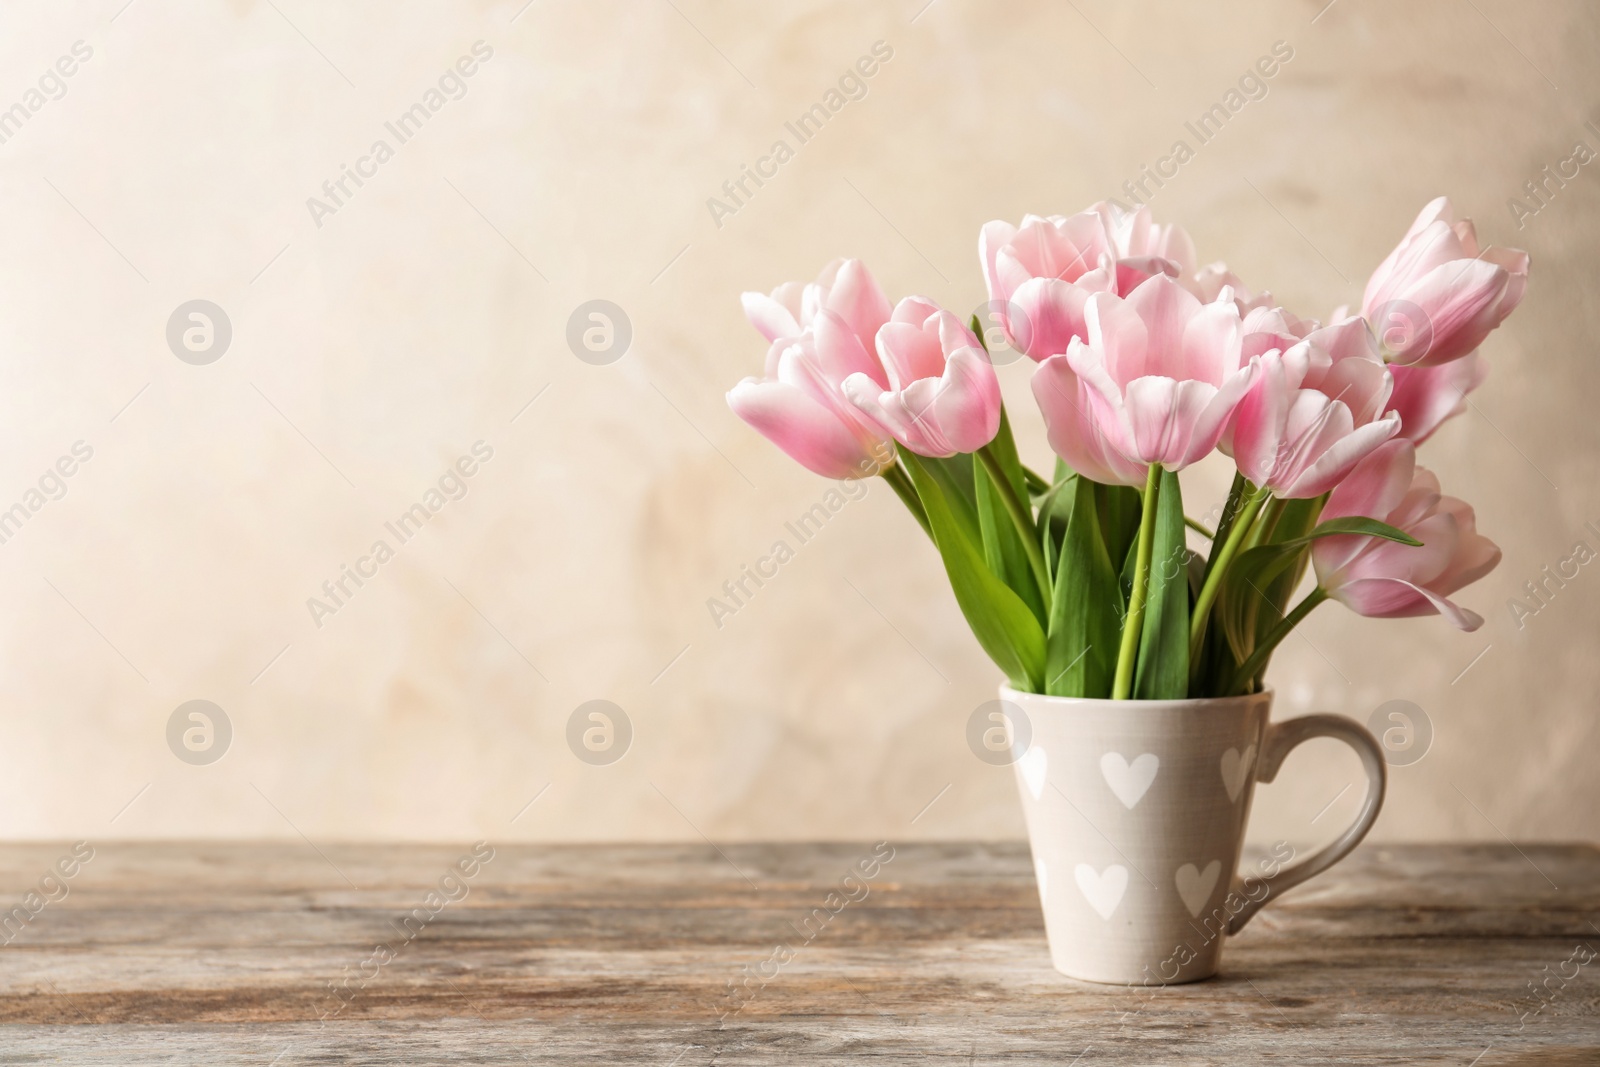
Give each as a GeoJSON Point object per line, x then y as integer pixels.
{"type": "Point", "coordinates": [1136, 812]}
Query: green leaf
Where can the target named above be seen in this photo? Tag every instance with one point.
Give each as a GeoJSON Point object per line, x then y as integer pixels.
{"type": "Point", "coordinates": [1244, 590]}
{"type": "Point", "coordinates": [1296, 518]}
{"type": "Point", "coordinates": [955, 475]}
{"type": "Point", "coordinates": [1055, 507]}
{"type": "Point", "coordinates": [1081, 649]}
{"type": "Point", "coordinates": [1355, 524]}
{"type": "Point", "coordinates": [1003, 624]}
{"type": "Point", "coordinates": [1037, 486]}
{"type": "Point", "coordinates": [1004, 449]}
{"type": "Point", "coordinates": [1002, 544]}
{"type": "Point", "coordinates": [1120, 508]}
{"type": "Point", "coordinates": [1162, 672]}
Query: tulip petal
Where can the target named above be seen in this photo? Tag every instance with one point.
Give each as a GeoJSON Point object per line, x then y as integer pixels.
{"type": "Point", "coordinates": [1074, 431]}
{"type": "Point", "coordinates": [1162, 417]}
{"type": "Point", "coordinates": [839, 350]}
{"type": "Point", "coordinates": [856, 299]}
{"type": "Point", "coordinates": [1339, 458]}
{"type": "Point", "coordinates": [1393, 598]}
{"type": "Point", "coordinates": [770, 318]}
{"type": "Point", "coordinates": [991, 239]}
{"type": "Point", "coordinates": [807, 431]}
{"type": "Point", "coordinates": [1460, 301]}
{"type": "Point", "coordinates": [1166, 308]}
{"type": "Point", "coordinates": [1425, 397]}
{"type": "Point", "coordinates": [1045, 315]}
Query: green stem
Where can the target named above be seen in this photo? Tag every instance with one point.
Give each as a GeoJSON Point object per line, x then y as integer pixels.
{"type": "Point", "coordinates": [1258, 658]}
{"type": "Point", "coordinates": [1266, 523]}
{"type": "Point", "coordinates": [1021, 517]}
{"type": "Point", "coordinates": [895, 475]}
{"type": "Point", "coordinates": [1123, 683]}
{"type": "Point", "coordinates": [1218, 567]}
{"type": "Point", "coordinates": [1037, 486]}
{"type": "Point", "coordinates": [1230, 511]}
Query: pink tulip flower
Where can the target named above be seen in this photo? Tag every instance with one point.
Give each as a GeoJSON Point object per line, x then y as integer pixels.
{"type": "Point", "coordinates": [1385, 579]}
{"type": "Point", "coordinates": [1208, 282]}
{"type": "Point", "coordinates": [1155, 382]}
{"type": "Point", "coordinates": [1425, 397]}
{"type": "Point", "coordinates": [844, 287]}
{"type": "Point", "coordinates": [800, 405]}
{"type": "Point", "coordinates": [1437, 295]}
{"type": "Point", "coordinates": [1044, 272]}
{"type": "Point", "coordinates": [1313, 412]}
{"type": "Point", "coordinates": [943, 396]}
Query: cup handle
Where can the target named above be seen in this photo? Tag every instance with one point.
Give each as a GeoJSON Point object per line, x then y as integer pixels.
{"type": "Point", "coordinates": [1281, 739]}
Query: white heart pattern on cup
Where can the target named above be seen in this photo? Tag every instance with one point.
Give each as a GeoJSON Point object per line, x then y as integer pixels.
{"type": "Point", "coordinates": [1129, 781]}
{"type": "Point", "coordinates": [1034, 763]}
{"type": "Point", "coordinates": [1195, 885]}
{"type": "Point", "coordinates": [1236, 769]}
{"type": "Point", "coordinates": [1102, 891]}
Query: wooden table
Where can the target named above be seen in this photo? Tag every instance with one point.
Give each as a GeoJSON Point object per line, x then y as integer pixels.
{"type": "Point", "coordinates": [201, 953]}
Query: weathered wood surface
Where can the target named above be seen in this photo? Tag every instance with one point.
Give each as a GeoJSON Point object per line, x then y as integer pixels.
{"type": "Point", "coordinates": [224, 954]}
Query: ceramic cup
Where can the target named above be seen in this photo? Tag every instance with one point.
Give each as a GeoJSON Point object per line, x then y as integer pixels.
{"type": "Point", "coordinates": [1136, 811]}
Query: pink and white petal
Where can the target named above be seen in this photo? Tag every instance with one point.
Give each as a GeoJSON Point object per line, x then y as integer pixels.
{"type": "Point", "coordinates": [811, 434]}
{"type": "Point", "coordinates": [1459, 299]}
{"type": "Point", "coordinates": [1073, 430]}
{"type": "Point", "coordinates": [1475, 555]}
{"type": "Point", "coordinates": [1426, 397]}
{"type": "Point", "coordinates": [1045, 314]}
{"type": "Point", "coordinates": [1119, 338]}
{"type": "Point", "coordinates": [1384, 276]}
{"type": "Point", "coordinates": [1362, 385]}
{"type": "Point", "coordinates": [1211, 342]}
{"type": "Point", "coordinates": [1105, 395]}
{"type": "Point", "coordinates": [1336, 462]}
{"type": "Point", "coordinates": [1152, 419]}
{"type": "Point", "coordinates": [916, 414]}
{"type": "Point", "coordinates": [908, 352]}
{"type": "Point", "coordinates": [915, 310]}
{"type": "Point", "coordinates": [885, 411]}
{"type": "Point", "coordinates": [770, 317]}
{"type": "Point", "coordinates": [1212, 420]}
{"type": "Point", "coordinates": [1516, 262]}
{"type": "Point", "coordinates": [1432, 246]}
{"type": "Point", "coordinates": [1415, 563]}
{"type": "Point", "coordinates": [1393, 598]}
{"type": "Point", "coordinates": [994, 236]}
{"type": "Point", "coordinates": [952, 333]}
{"type": "Point", "coordinates": [1166, 308]}
{"type": "Point", "coordinates": [967, 404]}
{"type": "Point", "coordinates": [839, 350]}
{"type": "Point", "coordinates": [1254, 434]}
{"type": "Point", "coordinates": [856, 298]}
{"type": "Point", "coordinates": [1132, 272]}
{"type": "Point", "coordinates": [1377, 484]}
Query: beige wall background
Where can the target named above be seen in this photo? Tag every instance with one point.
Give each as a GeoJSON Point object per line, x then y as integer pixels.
{"type": "Point", "coordinates": [429, 312]}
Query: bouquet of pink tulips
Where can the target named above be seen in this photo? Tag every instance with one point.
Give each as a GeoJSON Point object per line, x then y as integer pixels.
{"type": "Point", "coordinates": [1083, 584]}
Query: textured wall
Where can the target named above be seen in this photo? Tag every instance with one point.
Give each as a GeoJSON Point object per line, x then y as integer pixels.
{"type": "Point", "coordinates": [377, 338]}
